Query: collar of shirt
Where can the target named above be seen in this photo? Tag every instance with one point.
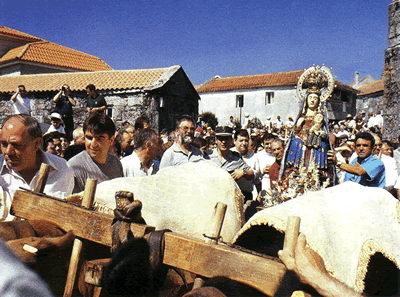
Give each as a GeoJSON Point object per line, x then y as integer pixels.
{"type": "Point", "coordinates": [366, 159]}
{"type": "Point", "coordinates": [177, 149]}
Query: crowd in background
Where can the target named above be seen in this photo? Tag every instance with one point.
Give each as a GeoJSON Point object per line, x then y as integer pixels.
{"type": "Point", "coordinates": [193, 139]}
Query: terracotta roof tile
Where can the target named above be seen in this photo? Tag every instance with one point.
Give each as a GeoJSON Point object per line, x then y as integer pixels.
{"type": "Point", "coordinates": [45, 52]}
{"type": "Point", "coordinates": [251, 81]}
{"type": "Point", "coordinates": [371, 88]}
{"type": "Point", "coordinates": [15, 33]}
{"type": "Point", "coordinates": [141, 79]}
{"type": "Point", "coordinates": [276, 79]}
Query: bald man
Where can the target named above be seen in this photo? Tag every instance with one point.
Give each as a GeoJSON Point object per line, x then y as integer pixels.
{"type": "Point", "coordinates": [20, 141]}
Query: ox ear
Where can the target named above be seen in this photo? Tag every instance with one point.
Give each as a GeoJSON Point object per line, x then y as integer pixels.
{"type": "Point", "coordinates": [129, 271]}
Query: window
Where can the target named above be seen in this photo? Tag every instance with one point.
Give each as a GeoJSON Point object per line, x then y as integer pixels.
{"type": "Point", "coordinates": [109, 111]}
{"type": "Point", "coordinates": [239, 100]}
{"type": "Point", "coordinates": [344, 106]}
{"type": "Point", "coordinates": [268, 97]}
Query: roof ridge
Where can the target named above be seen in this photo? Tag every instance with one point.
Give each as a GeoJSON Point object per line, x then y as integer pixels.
{"type": "Point", "coordinates": [63, 46]}
{"type": "Point", "coordinates": [90, 72]}
{"type": "Point", "coordinates": [27, 35]}
{"type": "Point", "coordinates": [252, 75]}
{"type": "Point", "coordinates": [24, 49]}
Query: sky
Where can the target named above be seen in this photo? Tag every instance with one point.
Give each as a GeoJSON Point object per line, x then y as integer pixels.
{"type": "Point", "coordinates": [211, 38]}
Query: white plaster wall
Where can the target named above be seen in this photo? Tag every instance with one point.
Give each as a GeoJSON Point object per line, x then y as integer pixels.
{"type": "Point", "coordinates": [285, 103]}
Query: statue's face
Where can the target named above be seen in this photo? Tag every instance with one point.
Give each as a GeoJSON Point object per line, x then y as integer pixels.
{"type": "Point", "coordinates": [312, 101]}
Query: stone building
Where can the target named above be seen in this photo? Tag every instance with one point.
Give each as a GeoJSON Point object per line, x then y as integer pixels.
{"type": "Point", "coordinates": [266, 95]}
{"type": "Point", "coordinates": [391, 101]}
{"type": "Point", "coordinates": [22, 53]}
{"type": "Point", "coordinates": [163, 94]}
{"type": "Point", "coordinates": [370, 97]}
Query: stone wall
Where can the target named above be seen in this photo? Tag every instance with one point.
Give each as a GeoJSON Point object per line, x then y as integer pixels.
{"type": "Point", "coordinates": [391, 104]}
{"type": "Point", "coordinates": [122, 107]}
{"type": "Point", "coordinates": [371, 103]}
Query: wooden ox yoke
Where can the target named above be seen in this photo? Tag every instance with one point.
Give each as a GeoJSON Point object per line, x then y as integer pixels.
{"type": "Point", "coordinates": [204, 259]}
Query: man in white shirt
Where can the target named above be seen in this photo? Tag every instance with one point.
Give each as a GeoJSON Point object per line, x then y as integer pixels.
{"type": "Point", "coordinates": [20, 141]}
{"type": "Point", "coordinates": [21, 102]}
{"type": "Point", "coordinates": [266, 159]}
{"type": "Point", "coordinates": [278, 123]}
{"type": "Point", "coordinates": [389, 162]}
{"type": "Point", "coordinates": [142, 160]}
{"type": "Point", "coordinates": [56, 124]}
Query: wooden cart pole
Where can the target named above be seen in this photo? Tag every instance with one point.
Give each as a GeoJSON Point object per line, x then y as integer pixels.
{"type": "Point", "coordinates": [42, 178]}
{"type": "Point", "coordinates": [215, 232]}
{"type": "Point", "coordinates": [291, 234]}
{"type": "Point", "coordinates": [87, 202]}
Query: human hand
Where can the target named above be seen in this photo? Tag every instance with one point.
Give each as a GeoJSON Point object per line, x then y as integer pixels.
{"type": "Point", "coordinates": [74, 199]}
{"type": "Point", "coordinates": [332, 156]}
{"type": "Point", "coordinates": [238, 173]}
{"type": "Point", "coordinates": [305, 262]}
{"type": "Point", "coordinates": [266, 169]}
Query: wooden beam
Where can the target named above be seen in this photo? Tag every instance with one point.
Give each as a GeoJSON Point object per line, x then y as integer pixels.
{"type": "Point", "coordinates": [87, 202]}
{"type": "Point", "coordinates": [42, 178]}
{"type": "Point", "coordinates": [260, 272]}
{"type": "Point", "coordinates": [84, 223]}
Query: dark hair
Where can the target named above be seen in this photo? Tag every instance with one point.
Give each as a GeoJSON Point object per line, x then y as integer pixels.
{"type": "Point", "coordinates": [183, 118]}
{"type": "Point", "coordinates": [199, 142]}
{"type": "Point", "coordinates": [99, 123]}
{"type": "Point", "coordinates": [91, 87]}
{"type": "Point", "coordinates": [366, 136]}
{"type": "Point", "coordinates": [33, 129]}
{"type": "Point", "coordinates": [241, 132]}
{"type": "Point", "coordinates": [139, 123]}
{"type": "Point", "coordinates": [388, 142]}
{"type": "Point", "coordinates": [21, 86]}
{"type": "Point", "coordinates": [49, 137]}
{"type": "Point", "coordinates": [268, 136]}
{"type": "Point", "coordinates": [143, 136]}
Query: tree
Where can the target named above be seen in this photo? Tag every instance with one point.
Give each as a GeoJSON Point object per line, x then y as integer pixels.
{"type": "Point", "coordinates": [210, 119]}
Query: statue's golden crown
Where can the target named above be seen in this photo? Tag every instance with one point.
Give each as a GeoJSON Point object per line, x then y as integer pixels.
{"type": "Point", "coordinates": [316, 80]}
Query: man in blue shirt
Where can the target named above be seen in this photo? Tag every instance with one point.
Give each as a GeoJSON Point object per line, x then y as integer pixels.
{"type": "Point", "coordinates": [366, 169]}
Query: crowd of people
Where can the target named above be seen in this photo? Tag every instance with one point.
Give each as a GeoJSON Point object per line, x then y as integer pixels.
{"type": "Point", "coordinates": [253, 154]}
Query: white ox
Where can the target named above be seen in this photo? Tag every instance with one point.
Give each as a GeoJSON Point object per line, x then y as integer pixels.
{"type": "Point", "coordinates": [347, 225]}
{"type": "Point", "coordinates": [180, 198]}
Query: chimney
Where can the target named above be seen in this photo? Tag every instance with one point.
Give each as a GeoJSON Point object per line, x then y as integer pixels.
{"type": "Point", "coordinates": [356, 78]}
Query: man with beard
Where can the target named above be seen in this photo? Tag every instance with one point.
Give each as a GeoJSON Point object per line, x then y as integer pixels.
{"type": "Point", "coordinates": [366, 169]}
{"type": "Point", "coordinates": [182, 151]}
{"type": "Point", "coordinates": [20, 140]}
{"type": "Point", "coordinates": [241, 141]}
{"type": "Point", "coordinates": [96, 161]}
{"type": "Point", "coordinates": [232, 162]}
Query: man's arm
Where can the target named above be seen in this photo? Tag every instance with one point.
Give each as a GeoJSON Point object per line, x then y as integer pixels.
{"type": "Point", "coordinates": [356, 169]}
{"type": "Point", "coordinates": [57, 96]}
{"type": "Point", "coordinates": [71, 99]}
{"type": "Point", "coordinates": [310, 268]}
{"type": "Point", "coordinates": [14, 96]}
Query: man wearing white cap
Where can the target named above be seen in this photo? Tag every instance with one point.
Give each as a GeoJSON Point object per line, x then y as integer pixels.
{"type": "Point", "coordinates": [56, 123]}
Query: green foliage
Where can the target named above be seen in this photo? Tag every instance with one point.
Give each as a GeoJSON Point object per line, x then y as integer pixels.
{"type": "Point", "coordinates": [210, 119]}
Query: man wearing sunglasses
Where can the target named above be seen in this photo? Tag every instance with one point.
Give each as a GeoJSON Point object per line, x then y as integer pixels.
{"type": "Point", "coordinates": [366, 169]}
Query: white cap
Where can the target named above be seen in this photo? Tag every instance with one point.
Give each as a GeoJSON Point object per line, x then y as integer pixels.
{"type": "Point", "coordinates": [55, 115]}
